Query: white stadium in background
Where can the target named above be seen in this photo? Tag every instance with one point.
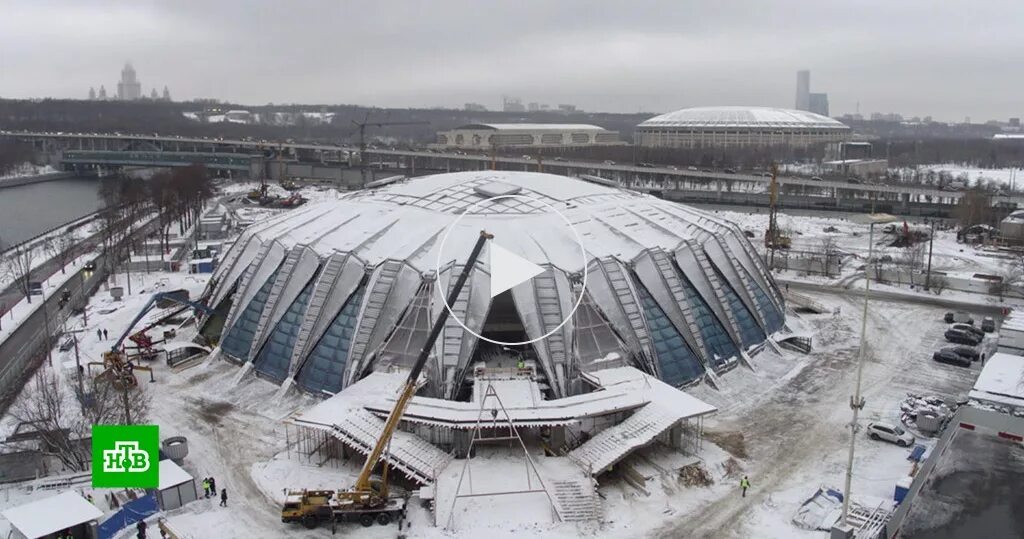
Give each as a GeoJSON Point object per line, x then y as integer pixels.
{"type": "Point", "coordinates": [323, 295]}
{"type": "Point", "coordinates": [739, 126]}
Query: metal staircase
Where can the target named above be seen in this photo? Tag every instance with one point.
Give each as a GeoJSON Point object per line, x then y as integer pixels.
{"type": "Point", "coordinates": [455, 338]}
{"type": "Point", "coordinates": [619, 283]}
{"type": "Point", "coordinates": [716, 285]}
{"type": "Point", "coordinates": [747, 285]}
{"type": "Point", "coordinates": [575, 500]}
{"type": "Point", "coordinates": [373, 307]}
{"type": "Point", "coordinates": [671, 279]}
{"type": "Point", "coordinates": [549, 310]}
{"type": "Point", "coordinates": [285, 276]}
{"type": "Point", "coordinates": [327, 281]}
{"type": "Point", "coordinates": [417, 458]}
{"type": "Point", "coordinates": [614, 443]}
{"type": "Point", "coordinates": [236, 306]}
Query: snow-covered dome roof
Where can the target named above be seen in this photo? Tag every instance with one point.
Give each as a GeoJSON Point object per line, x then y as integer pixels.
{"type": "Point", "coordinates": [743, 117]}
{"type": "Point", "coordinates": [360, 274]}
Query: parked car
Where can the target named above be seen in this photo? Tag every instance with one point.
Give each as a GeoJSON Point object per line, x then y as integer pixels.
{"type": "Point", "coordinates": [969, 329]}
{"type": "Point", "coordinates": [890, 433]}
{"type": "Point", "coordinates": [968, 352]}
{"type": "Point", "coordinates": [527, 157]}
{"type": "Point", "coordinates": [729, 171]}
{"type": "Point", "coordinates": [559, 159]}
{"type": "Point", "coordinates": [959, 317]}
{"type": "Point", "coordinates": [609, 162]}
{"type": "Point", "coordinates": [692, 169]}
{"type": "Point", "coordinates": [816, 178]}
{"type": "Point", "coordinates": [951, 358]}
{"type": "Point", "coordinates": [988, 325]}
{"type": "Point", "coordinates": [961, 337]}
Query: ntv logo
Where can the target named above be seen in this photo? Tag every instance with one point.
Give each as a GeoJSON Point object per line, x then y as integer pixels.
{"type": "Point", "coordinates": [125, 456]}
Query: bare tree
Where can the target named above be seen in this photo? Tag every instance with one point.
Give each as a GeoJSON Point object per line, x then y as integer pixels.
{"type": "Point", "coordinates": [17, 265]}
{"type": "Point", "coordinates": [939, 284]}
{"type": "Point", "coordinates": [64, 426]}
{"type": "Point", "coordinates": [61, 248]}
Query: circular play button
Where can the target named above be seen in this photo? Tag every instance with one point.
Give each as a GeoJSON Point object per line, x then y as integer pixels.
{"type": "Point", "coordinates": [508, 264]}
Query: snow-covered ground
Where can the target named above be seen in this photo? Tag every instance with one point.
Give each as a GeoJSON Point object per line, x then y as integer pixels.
{"type": "Point", "coordinates": [1001, 176]}
{"type": "Point", "coordinates": [785, 423]}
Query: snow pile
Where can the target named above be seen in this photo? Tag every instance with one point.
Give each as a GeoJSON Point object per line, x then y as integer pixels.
{"type": "Point", "coordinates": [821, 511]}
{"type": "Point", "coordinates": [915, 406]}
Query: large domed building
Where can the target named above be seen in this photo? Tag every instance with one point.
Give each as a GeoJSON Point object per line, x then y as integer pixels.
{"type": "Point", "coordinates": [739, 126]}
{"type": "Point", "coordinates": [323, 295]}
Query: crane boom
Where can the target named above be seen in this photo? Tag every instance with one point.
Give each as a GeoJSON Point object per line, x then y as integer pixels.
{"type": "Point", "coordinates": [406, 394]}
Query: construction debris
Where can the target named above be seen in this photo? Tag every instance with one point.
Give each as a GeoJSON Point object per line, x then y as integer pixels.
{"type": "Point", "coordinates": [696, 475]}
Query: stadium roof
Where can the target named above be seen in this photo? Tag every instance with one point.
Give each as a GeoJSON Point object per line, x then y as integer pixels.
{"type": "Point", "coordinates": [359, 277]}
{"type": "Point", "coordinates": [743, 117]}
{"type": "Point", "coordinates": [534, 127]}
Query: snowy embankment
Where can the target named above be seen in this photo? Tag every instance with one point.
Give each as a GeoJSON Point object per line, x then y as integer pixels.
{"type": "Point", "coordinates": [28, 169]}
{"type": "Point", "coordinates": [21, 311]}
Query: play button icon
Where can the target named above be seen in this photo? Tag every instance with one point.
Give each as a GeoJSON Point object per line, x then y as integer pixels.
{"type": "Point", "coordinates": [509, 269]}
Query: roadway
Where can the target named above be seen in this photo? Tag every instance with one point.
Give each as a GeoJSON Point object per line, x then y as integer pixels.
{"type": "Point", "coordinates": [25, 348]}
{"type": "Point", "coordinates": [684, 178]}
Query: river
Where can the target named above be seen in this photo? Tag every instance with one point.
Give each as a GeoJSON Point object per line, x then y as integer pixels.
{"type": "Point", "coordinates": [29, 210]}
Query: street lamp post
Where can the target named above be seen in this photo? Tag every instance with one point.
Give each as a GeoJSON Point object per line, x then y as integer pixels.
{"type": "Point", "coordinates": [857, 401]}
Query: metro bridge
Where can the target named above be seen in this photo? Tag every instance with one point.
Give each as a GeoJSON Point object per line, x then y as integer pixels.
{"type": "Point", "coordinates": [338, 164]}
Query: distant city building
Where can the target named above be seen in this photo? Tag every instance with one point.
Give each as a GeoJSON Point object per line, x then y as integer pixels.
{"type": "Point", "coordinates": [739, 126]}
{"type": "Point", "coordinates": [819, 104]}
{"type": "Point", "coordinates": [129, 88]}
{"type": "Point", "coordinates": [889, 117]}
{"type": "Point", "coordinates": [153, 95]}
{"type": "Point", "coordinates": [475, 107]}
{"type": "Point", "coordinates": [167, 94]}
{"type": "Point", "coordinates": [1014, 122]}
{"type": "Point", "coordinates": [567, 108]}
{"type": "Point", "coordinates": [803, 90]}
{"type": "Point", "coordinates": [103, 93]}
{"type": "Point", "coordinates": [487, 136]}
{"type": "Point", "coordinates": [92, 94]}
{"type": "Point", "coordinates": [512, 104]}
{"type": "Point", "coordinates": [533, 106]}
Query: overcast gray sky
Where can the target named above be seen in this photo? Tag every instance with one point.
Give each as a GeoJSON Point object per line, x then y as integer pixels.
{"type": "Point", "coordinates": [944, 59]}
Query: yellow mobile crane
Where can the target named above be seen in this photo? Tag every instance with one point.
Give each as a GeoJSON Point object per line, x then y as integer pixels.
{"type": "Point", "coordinates": [368, 501]}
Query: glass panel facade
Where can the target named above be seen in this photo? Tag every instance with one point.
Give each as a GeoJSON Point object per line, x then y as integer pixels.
{"type": "Point", "coordinates": [717, 341]}
{"type": "Point", "coordinates": [239, 339]}
{"type": "Point", "coordinates": [273, 359]}
{"type": "Point", "coordinates": [676, 362]}
{"type": "Point", "coordinates": [773, 318]}
{"type": "Point", "coordinates": [750, 331]}
{"type": "Point", "coordinates": [325, 366]}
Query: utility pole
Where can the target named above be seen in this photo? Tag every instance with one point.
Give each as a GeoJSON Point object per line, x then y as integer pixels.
{"type": "Point", "coordinates": [362, 140]}
{"type": "Point", "coordinates": [928, 273]}
{"type": "Point", "coordinates": [46, 329]}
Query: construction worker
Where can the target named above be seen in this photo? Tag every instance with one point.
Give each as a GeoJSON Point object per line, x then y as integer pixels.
{"type": "Point", "coordinates": [206, 487]}
{"type": "Point", "coordinates": [521, 364]}
{"type": "Point", "coordinates": [744, 484]}
{"type": "Point", "coordinates": [223, 497]}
